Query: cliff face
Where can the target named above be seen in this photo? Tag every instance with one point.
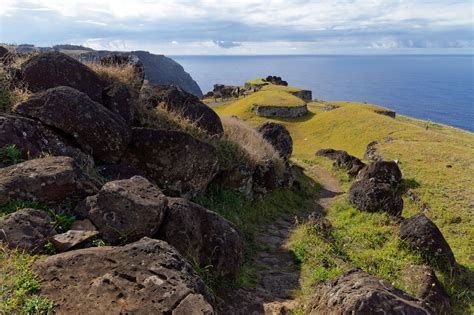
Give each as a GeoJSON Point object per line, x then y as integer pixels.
{"type": "Point", "coordinates": [160, 69]}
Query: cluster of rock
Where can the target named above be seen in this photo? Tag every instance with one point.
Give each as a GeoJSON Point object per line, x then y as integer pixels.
{"type": "Point", "coordinates": [273, 79]}
{"type": "Point", "coordinates": [225, 92]}
{"type": "Point", "coordinates": [84, 122]}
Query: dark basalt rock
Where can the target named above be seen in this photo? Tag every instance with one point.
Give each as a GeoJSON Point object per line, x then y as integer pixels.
{"type": "Point", "coordinates": [382, 171]}
{"type": "Point", "coordinates": [132, 207]}
{"type": "Point", "coordinates": [32, 140]}
{"type": "Point", "coordinates": [177, 162]}
{"type": "Point", "coordinates": [421, 232]}
{"type": "Point", "coordinates": [145, 277]}
{"type": "Point", "coordinates": [26, 229]}
{"type": "Point", "coordinates": [52, 180]}
{"type": "Point", "coordinates": [357, 292]}
{"type": "Point", "coordinates": [96, 129]}
{"type": "Point", "coordinates": [203, 235]}
{"type": "Point", "coordinates": [53, 69]}
{"type": "Point", "coordinates": [348, 162]}
{"type": "Point", "coordinates": [117, 99]}
{"type": "Point", "coordinates": [329, 153]}
{"type": "Point", "coordinates": [370, 195]}
{"type": "Point", "coordinates": [174, 99]}
{"type": "Point", "coordinates": [279, 137]}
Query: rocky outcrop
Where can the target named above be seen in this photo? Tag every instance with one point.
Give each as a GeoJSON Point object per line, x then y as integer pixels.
{"type": "Point", "coordinates": [97, 130]}
{"type": "Point", "coordinates": [117, 99]}
{"type": "Point", "coordinates": [350, 163]}
{"type": "Point", "coordinates": [329, 153]}
{"type": "Point", "coordinates": [265, 178]}
{"type": "Point", "coordinates": [279, 137]}
{"type": "Point", "coordinates": [238, 178]}
{"type": "Point", "coordinates": [421, 232]}
{"type": "Point", "coordinates": [368, 195]}
{"type": "Point", "coordinates": [145, 277]}
{"type": "Point", "coordinates": [184, 104]}
{"type": "Point", "coordinates": [53, 69]}
{"type": "Point", "coordinates": [26, 229]}
{"type": "Point", "coordinates": [52, 180]}
{"type": "Point", "coordinates": [357, 292]}
{"type": "Point", "coordinates": [32, 140]}
{"type": "Point", "coordinates": [204, 236]}
{"type": "Point", "coordinates": [125, 210]}
{"type": "Point", "coordinates": [428, 288]}
{"type": "Point", "coordinates": [178, 163]}
{"type": "Point", "coordinates": [305, 95]}
{"type": "Point", "coordinates": [280, 111]}
{"type": "Point", "coordinates": [72, 239]}
{"type": "Point", "coordinates": [371, 154]}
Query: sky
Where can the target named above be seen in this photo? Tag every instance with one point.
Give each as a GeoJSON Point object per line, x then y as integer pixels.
{"type": "Point", "coordinates": [220, 27]}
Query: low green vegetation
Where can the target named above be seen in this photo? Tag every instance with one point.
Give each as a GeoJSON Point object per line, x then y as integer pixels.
{"type": "Point", "coordinates": [256, 81]}
{"type": "Point", "coordinates": [250, 216]}
{"type": "Point", "coordinates": [283, 88]}
{"type": "Point", "coordinates": [436, 162]}
{"type": "Point", "coordinates": [19, 286]}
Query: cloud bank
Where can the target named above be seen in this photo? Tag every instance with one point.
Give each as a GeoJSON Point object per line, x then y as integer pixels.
{"type": "Point", "coordinates": [245, 26]}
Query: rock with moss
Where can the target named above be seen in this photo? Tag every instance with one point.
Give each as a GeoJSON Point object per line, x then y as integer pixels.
{"type": "Point", "coordinates": [51, 180]}
{"type": "Point", "coordinates": [179, 164]}
{"type": "Point", "coordinates": [204, 236]}
{"type": "Point", "coordinates": [31, 140]}
{"type": "Point", "coordinates": [97, 130]}
{"type": "Point", "coordinates": [125, 210]}
{"type": "Point", "coordinates": [357, 292]}
{"type": "Point", "coordinates": [174, 99]}
{"type": "Point", "coordinates": [145, 277]}
{"type": "Point", "coordinates": [421, 232]}
{"type": "Point", "coordinates": [26, 229]}
{"type": "Point", "coordinates": [53, 69]}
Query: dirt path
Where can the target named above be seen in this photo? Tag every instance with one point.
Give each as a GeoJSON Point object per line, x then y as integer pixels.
{"type": "Point", "coordinates": [278, 273]}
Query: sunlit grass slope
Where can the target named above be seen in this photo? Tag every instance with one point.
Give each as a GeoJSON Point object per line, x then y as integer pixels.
{"type": "Point", "coordinates": [274, 87]}
{"type": "Point", "coordinates": [439, 158]}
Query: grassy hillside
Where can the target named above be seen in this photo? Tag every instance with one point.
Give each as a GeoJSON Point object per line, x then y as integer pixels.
{"type": "Point", "coordinates": [438, 164]}
{"type": "Point", "coordinates": [266, 98]}
{"type": "Point", "coordinates": [273, 87]}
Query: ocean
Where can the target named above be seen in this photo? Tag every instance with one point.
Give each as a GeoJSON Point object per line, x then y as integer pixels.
{"type": "Point", "coordinates": [439, 88]}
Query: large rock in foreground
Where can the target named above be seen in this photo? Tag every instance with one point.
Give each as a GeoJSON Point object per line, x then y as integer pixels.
{"type": "Point", "coordinates": [27, 229]}
{"type": "Point", "coordinates": [32, 140]}
{"type": "Point", "coordinates": [96, 129]}
{"type": "Point", "coordinates": [52, 180]}
{"type": "Point", "coordinates": [52, 69]}
{"type": "Point", "coordinates": [203, 235]}
{"type": "Point", "coordinates": [145, 277]}
{"type": "Point", "coordinates": [178, 163]}
{"type": "Point", "coordinates": [279, 137]}
{"type": "Point", "coordinates": [357, 292]}
{"type": "Point", "coordinates": [369, 195]}
{"type": "Point", "coordinates": [125, 210]}
{"type": "Point", "coordinates": [174, 99]}
{"type": "Point", "coordinates": [421, 232]}
{"type": "Point", "coordinates": [382, 171]}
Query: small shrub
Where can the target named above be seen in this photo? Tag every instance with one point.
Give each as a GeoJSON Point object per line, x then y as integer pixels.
{"type": "Point", "coordinates": [10, 154]}
{"type": "Point", "coordinates": [16, 205]}
{"type": "Point", "coordinates": [49, 248]}
{"type": "Point", "coordinates": [61, 220]}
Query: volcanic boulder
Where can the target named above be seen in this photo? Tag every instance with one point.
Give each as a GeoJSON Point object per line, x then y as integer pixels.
{"type": "Point", "coordinates": [421, 232]}
{"type": "Point", "coordinates": [369, 195]}
{"type": "Point", "coordinates": [348, 162]}
{"type": "Point", "coordinates": [125, 210]}
{"type": "Point", "coordinates": [53, 69]}
{"type": "Point", "coordinates": [279, 137]}
{"type": "Point", "coordinates": [382, 171]}
{"type": "Point", "coordinates": [177, 162]}
{"type": "Point", "coordinates": [357, 292]}
{"type": "Point", "coordinates": [329, 153]}
{"type": "Point", "coordinates": [204, 235]}
{"type": "Point", "coordinates": [96, 129]}
{"type": "Point", "coordinates": [145, 277]}
{"type": "Point", "coordinates": [52, 180]}
{"type": "Point", "coordinates": [174, 99]}
{"type": "Point", "coordinates": [27, 229]}
{"type": "Point", "coordinates": [117, 99]}
{"type": "Point", "coordinates": [32, 140]}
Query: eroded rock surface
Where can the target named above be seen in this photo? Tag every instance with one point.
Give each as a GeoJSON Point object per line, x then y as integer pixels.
{"type": "Point", "coordinates": [145, 277]}
{"type": "Point", "coordinates": [204, 235]}
{"type": "Point", "coordinates": [177, 162]}
{"type": "Point", "coordinates": [125, 210]}
{"type": "Point", "coordinates": [52, 180]}
{"type": "Point", "coordinates": [96, 129]}
{"type": "Point", "coordinates": [279, 137]}
{"type": "Point", "coordinates": [357, 292]}
{"type": "Point", "coordinates": [27, 229]}
{"type": "Point", "coordinates": [53, 69]}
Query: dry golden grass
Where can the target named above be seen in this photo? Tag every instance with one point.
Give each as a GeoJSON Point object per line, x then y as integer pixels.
{"type": "Point", "coordinates": [258, 149]}
{"type": "Point", "coordinates": [122, 73]}
{"type": "Point", "coordinates": [11, 94]}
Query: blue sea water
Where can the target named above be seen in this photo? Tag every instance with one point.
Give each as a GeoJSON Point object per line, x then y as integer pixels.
{"type": "Point", "coordinates": [436, 88]}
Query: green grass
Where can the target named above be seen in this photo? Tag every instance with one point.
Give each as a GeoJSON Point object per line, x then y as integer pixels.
{"type": "Point", "coordinates": [19, 286]}
{"type": "Point", "coordinates": [10, 154]}
{"type": "Point", "coordinates": [250, 216]}
{"type": "Point", "coordinates": [273, 87]}
{"type": "Point", "coordinates": [256, 81]}
{"type": "Point", "coordinates": [436, 160]}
